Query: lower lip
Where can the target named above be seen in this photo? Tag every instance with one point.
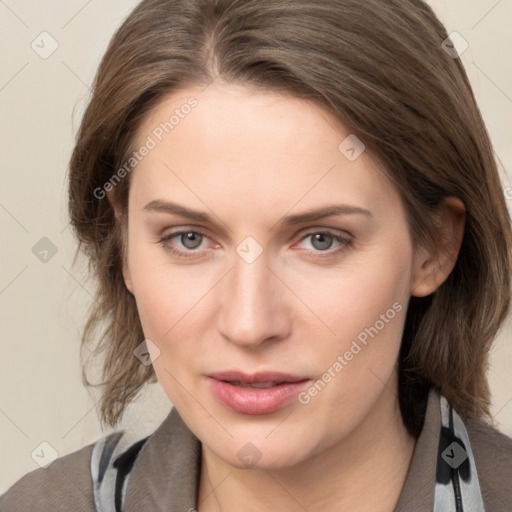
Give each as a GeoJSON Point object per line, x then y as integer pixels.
{"type": "Point", "coordinates": [254, 400]}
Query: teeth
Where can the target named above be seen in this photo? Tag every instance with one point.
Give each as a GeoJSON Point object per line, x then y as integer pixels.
{"type": "Point", "coordinates": [258, 385]}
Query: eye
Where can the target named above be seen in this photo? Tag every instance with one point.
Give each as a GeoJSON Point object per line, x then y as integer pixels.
{"type": "Point", "coordinates": [183, 243]}
{"type": "Point", "coordinates": [191, 239]}
{"type": "Point", "coordinates": [188, 243]}
{"type": "Point", "coordinates": [323, 241]}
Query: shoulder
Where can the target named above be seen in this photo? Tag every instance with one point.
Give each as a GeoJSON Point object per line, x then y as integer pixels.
{"type": "Point", "coordinates": [64, 485]}
{"type": "Point", "coordinates": [492, 451]}
{"type": "Point", "coordinates": [84, 480]}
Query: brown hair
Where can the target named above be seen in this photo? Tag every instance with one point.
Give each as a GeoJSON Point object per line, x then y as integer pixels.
{"type": "Point", "coordinates": [380, 68]}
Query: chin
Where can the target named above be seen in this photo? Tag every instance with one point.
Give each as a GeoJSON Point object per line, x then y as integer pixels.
{"type": "Point", "coordinates": [261, 456]}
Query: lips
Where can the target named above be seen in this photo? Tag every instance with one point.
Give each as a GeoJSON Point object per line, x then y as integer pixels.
{"type": "Point", "coordinates": [256, 378]}
{"type": "Point", "coordinates": [257, 385]}
{"type": "Point", "coordinates": [258, 393]}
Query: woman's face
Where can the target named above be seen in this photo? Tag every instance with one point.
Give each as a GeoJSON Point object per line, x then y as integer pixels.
{"type": "Point", "coordinates": [262, 240]}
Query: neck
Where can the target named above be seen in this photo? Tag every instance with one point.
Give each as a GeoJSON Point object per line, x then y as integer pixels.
{"type": "Point", "coordinates": [363, 472]}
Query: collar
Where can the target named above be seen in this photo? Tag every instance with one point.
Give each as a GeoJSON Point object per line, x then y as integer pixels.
{"type": "Point", "coordinates": [442, 474]}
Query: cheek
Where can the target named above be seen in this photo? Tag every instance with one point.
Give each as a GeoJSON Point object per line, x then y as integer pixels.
{"type": "Point", "coordinates": [366, 308]}
{"type": "Point", "coordinates": [370, 293]}
{"type": "Point", "coordinates": [165, 303]}
{"type": "Point", "coordinates": [371, 283]}
{"type": "Point", "coordinates": [158, 299]}
{"type": "Point", "coordinates": [161, 289]}
{"type": "Point", "coordinates": [173, 305]}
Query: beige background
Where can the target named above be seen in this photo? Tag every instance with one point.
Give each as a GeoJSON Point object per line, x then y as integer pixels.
{"type": "Point", "coordinates": [42, 305]}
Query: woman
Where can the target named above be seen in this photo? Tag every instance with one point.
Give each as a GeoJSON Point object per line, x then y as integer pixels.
{"type": "Point", "coordinates": [298, 228]}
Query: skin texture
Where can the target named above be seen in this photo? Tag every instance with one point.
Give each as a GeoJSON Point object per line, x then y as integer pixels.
{"type": "Point", "coordinates": [248, 158]}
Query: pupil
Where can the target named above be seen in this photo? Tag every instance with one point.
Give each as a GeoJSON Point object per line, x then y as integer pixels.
{"type": "Point", "coordinates": [191, 240]}
{"type": "Point", "coordinates": [321, 241]}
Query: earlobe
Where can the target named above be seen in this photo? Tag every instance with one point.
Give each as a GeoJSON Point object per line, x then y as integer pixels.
{"type": "Point", "coordinates": [432, 266]}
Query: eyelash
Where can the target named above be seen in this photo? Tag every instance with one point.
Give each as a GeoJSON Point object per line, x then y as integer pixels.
{"type": "Point", "coordinates": [345, 243]}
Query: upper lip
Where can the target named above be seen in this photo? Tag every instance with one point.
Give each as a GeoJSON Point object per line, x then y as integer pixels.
{"type": "Point", "coordinates": [234, 376]}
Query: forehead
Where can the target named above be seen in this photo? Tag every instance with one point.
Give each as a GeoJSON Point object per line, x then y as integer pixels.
{"type": "Point", "coordinates": [247, 147]}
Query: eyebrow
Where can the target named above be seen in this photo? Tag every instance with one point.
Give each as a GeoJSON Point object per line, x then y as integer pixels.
{"type": "Point", "coordinates": [289, 220]}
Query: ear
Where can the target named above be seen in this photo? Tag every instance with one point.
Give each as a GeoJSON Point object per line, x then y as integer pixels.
{"type": "Point", "coordinates": [433, 265]}
{"type": "Point", "coordinates": [122, 221]}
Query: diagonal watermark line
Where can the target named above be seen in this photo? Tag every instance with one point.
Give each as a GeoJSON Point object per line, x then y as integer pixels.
{"type": "Point", "coordinates": [77, 281]}
{"type": "Point", "coordinates": [385, 383]}
{"type": "Point", "coordinates": [433, 431]}
{"type": "Point", "coordinates": [486, 14]}
{"type": "Point", "coordinates": [74, 426]}
{"type": "Point", "coordinates": [86, 85]}
{"type": "Point", "coordinates": [286, 491]}
{"type": "Point", "coordinates": [275, 428]}
{"type": "Point", "coordinates": [213, 286]}
{"type": "Point", "coordinates": [14, 423]}
{"type": "Point", "coordinates": [301, 198]}
{"type": "Point", "coordinates": [14, 218]}
{"type": "Point", "coordinates": [76, 14]}
{"type": "Point", "coordinates": [503, 407]}
{"type": "Point", "coordinates": [220, 220]}
{"type": "Point", "coordinates": [216, 487]}
{"type": "Point", "coordinates": [301, 300]}
{"type": "Point", "coordinates": [13, 279]}
{"type": "Point", "coordinates": [212, 81]}
{"type": "Point", "coordinates": [14, 76]}
{"type": "Point", "coordinates": [492, 81]}
{"type": "Point", "coordinates": [85, 289]}
{"type": "Point", "coordinates": [199, 403]}
{"type": "Point", "coordinates": [13, 13]}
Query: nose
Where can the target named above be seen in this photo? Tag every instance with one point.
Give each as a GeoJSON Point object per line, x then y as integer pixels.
{"type": "Point", "coordinates": [253, 305]}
